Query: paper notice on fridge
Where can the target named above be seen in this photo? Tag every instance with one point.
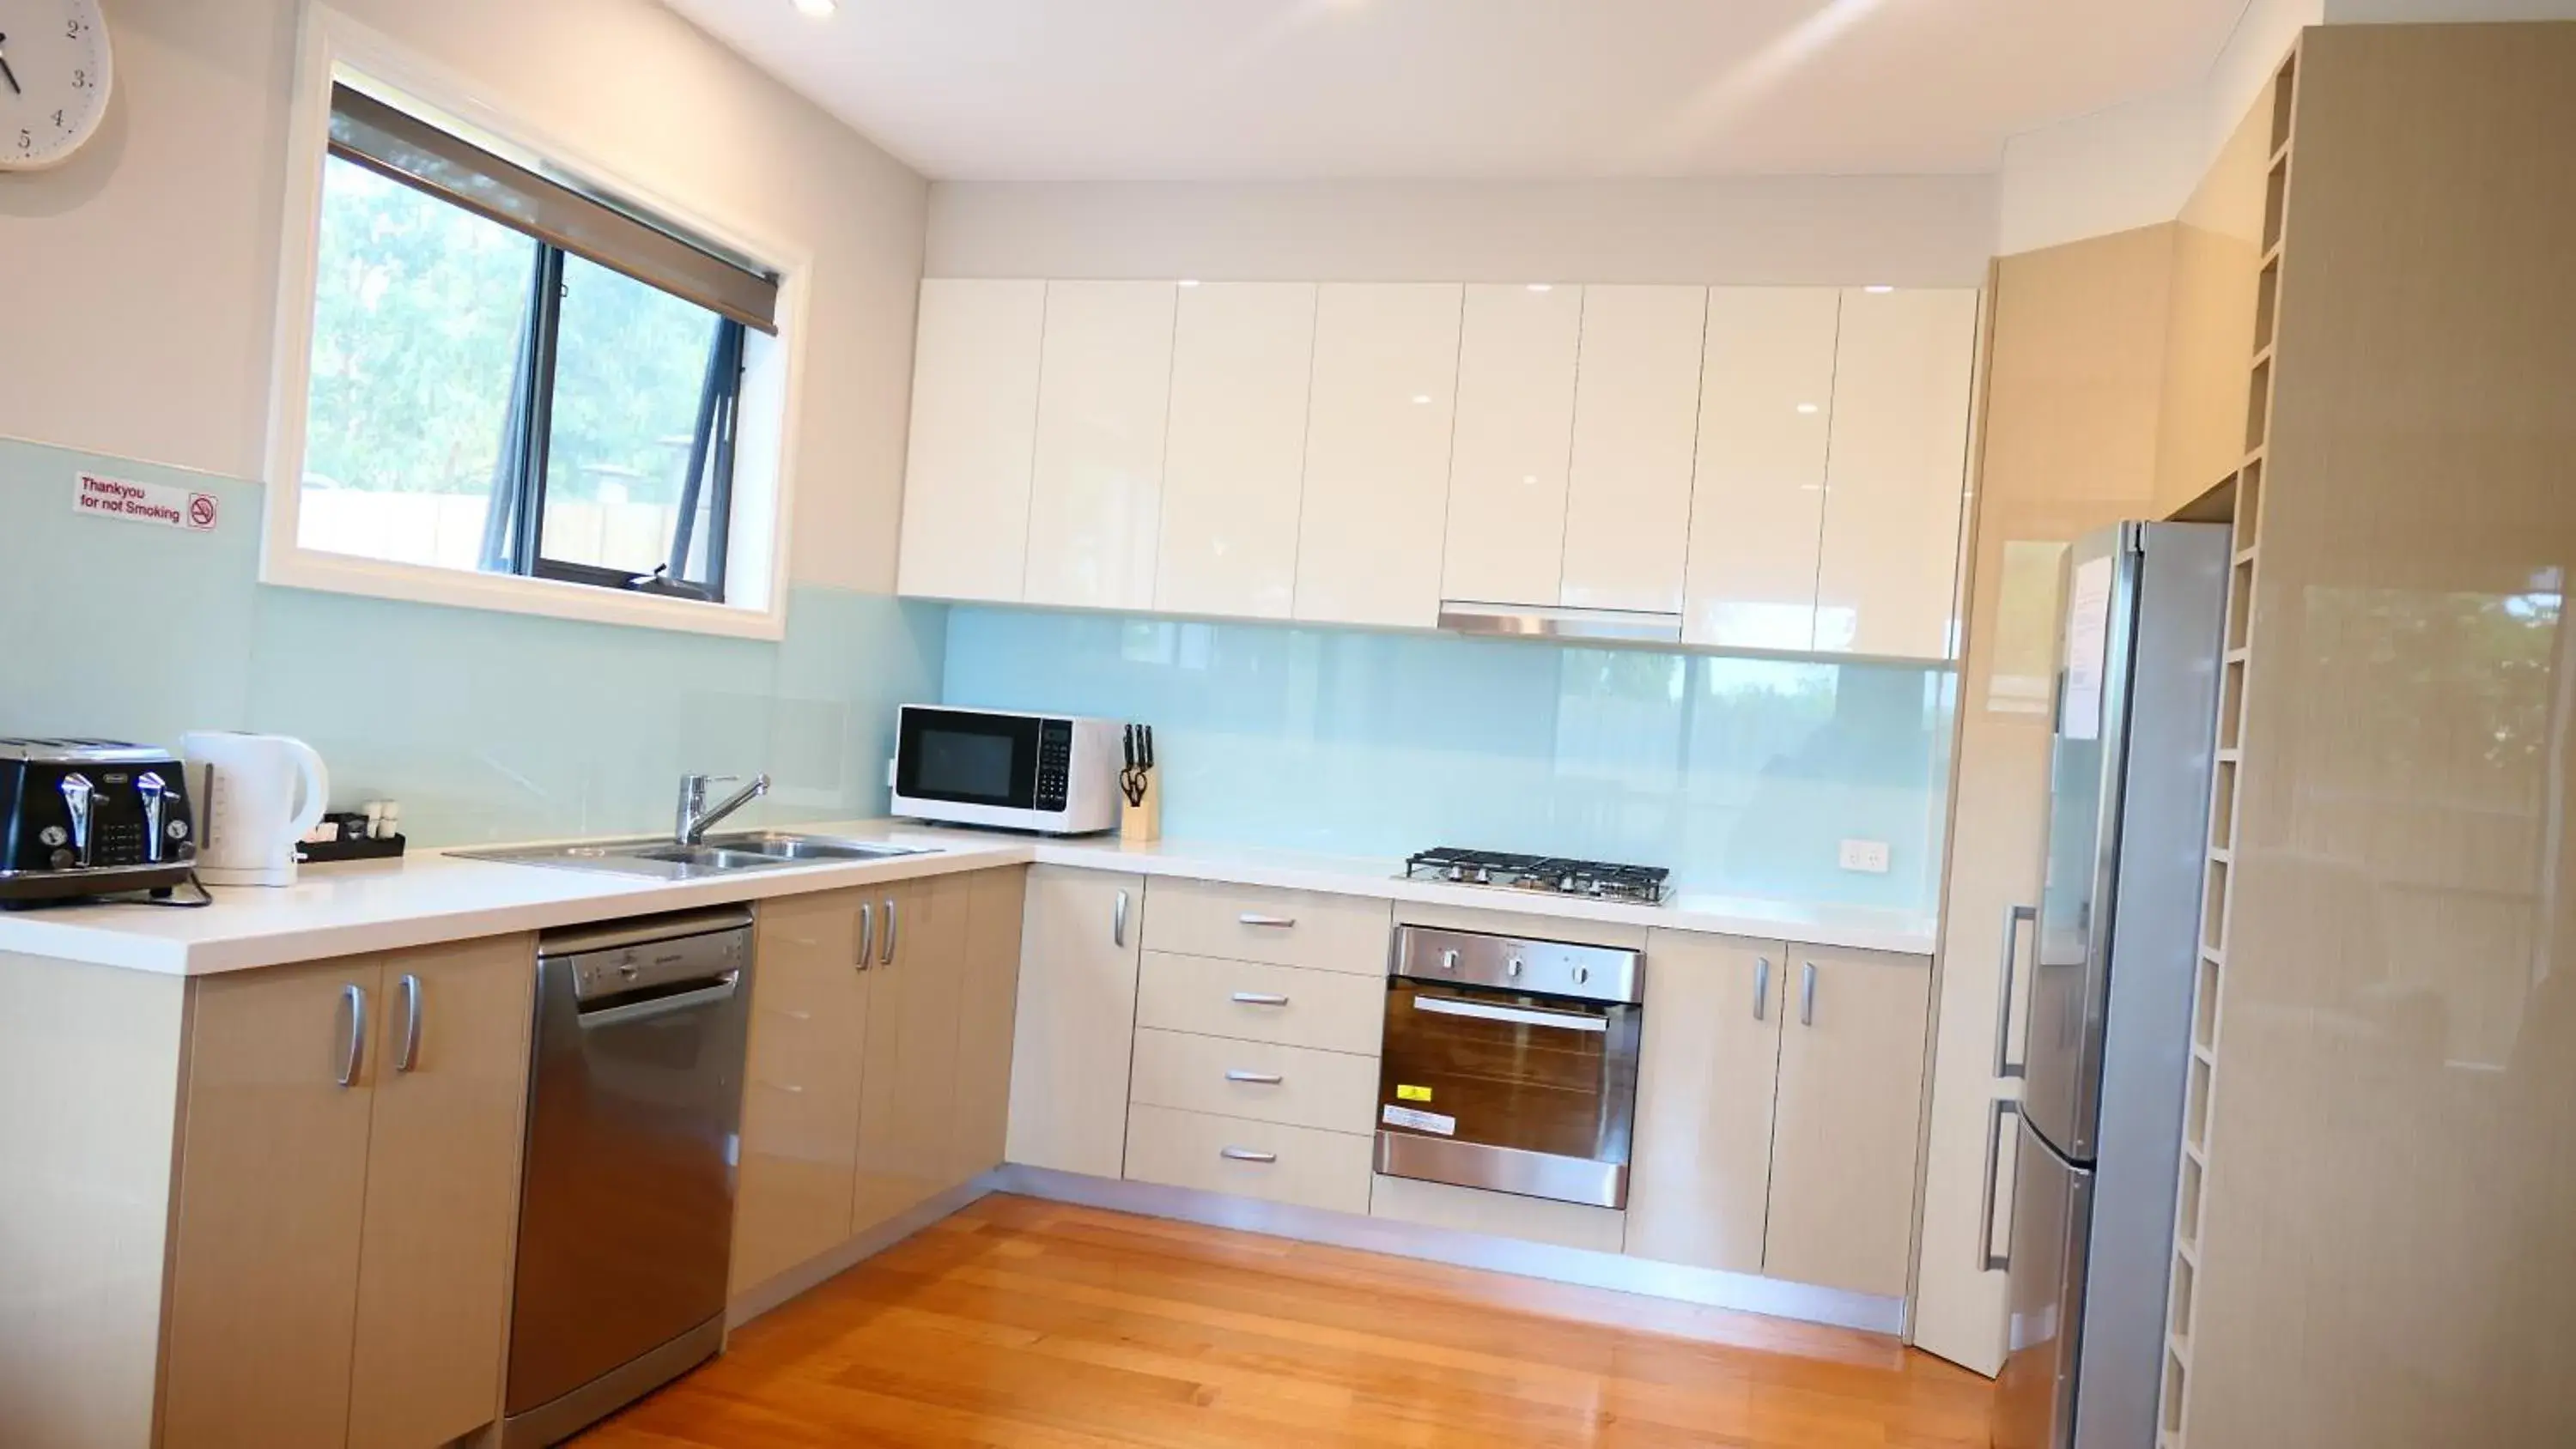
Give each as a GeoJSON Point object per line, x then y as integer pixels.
{"type": "Point", "coordinates": [2088, 628]}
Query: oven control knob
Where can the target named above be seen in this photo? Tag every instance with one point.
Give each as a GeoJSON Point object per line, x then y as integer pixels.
{"type": "Point", "coordinates": [60, 860]}
{"type": "Point", "coordinates": [1448, 960]}
{"type": "Point", "coordinates": [53, 836]}
{"type": "Point", "coordinates": [1514, 969]}
{"type": "Point", "coordinates": [1582, 974]}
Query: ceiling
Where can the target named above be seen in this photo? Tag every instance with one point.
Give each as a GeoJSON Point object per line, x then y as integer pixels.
{"type": "Point", "coordinates": [1553, 89]}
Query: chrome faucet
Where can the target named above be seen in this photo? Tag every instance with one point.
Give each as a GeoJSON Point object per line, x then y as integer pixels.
{"type": "Point", "coordinates": [696, 814]}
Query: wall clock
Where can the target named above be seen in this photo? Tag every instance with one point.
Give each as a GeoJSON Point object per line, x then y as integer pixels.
{"type": "Point", "coordinates": [55, 75]}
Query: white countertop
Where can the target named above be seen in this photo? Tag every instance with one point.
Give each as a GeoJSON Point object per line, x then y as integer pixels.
{"type": "Point", "coordinates": [432, 896]}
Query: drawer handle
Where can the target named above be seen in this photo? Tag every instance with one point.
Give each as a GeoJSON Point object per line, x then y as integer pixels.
{"type": "Point", "coordinates": [1246, 1154]}
{"type": "Point", "coordinates": [1259, 998]}
{"type": "Point", "coordinates": [1255, 918]}
{"type": "Point", "coordinates": [1262, 1079]}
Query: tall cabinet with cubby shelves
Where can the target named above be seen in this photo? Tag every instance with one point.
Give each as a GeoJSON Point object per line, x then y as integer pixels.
{"type": "Point", "coordinates": [2379, 1045]}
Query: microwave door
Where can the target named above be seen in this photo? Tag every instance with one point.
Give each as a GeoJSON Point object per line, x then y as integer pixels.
{"type": "Point", "coordinates": [968, 757]}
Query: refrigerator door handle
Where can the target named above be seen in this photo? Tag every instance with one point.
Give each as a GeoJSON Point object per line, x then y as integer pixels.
{"type": "Point", "coordinates": [2004, 1065]}
{"type": "Point", "coordinates": [1989, 1261]}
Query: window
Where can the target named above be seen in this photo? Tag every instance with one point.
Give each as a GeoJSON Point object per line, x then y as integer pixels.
{"type": "Point", "coordinates": [512, 375]}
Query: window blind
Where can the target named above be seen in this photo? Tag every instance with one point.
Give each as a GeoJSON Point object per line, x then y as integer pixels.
{"type": "Point", "coordinates": [405, 148]}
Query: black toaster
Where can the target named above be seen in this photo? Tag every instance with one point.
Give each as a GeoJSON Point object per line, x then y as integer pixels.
{"type": "Point", "coordinates": [91, 818]}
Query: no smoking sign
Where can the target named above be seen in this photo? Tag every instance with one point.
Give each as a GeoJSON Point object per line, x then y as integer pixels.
{"type": "Point", "coordinates": [163, 503]}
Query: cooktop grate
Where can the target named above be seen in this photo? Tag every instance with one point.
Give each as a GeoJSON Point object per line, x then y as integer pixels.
{"type": "Point", "coordinates": [1644, 885]}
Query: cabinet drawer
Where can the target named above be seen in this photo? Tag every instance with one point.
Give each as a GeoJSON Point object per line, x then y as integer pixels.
{"type": "Point", "coordinates": [1256, 1002]}
{"type": "Point", "coordinates": [1249, 1159]}
{"type": "Point", "coordinates": [1298, 1086]}
{"type": "Point", "coordinates": [1284, 928]}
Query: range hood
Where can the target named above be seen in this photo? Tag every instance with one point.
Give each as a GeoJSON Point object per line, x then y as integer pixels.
{"type": "Point", "coordinates": [1536, 621]}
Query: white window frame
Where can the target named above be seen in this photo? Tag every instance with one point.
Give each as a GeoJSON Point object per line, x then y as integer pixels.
{"type": "Point", "coordinates": [334, 48]}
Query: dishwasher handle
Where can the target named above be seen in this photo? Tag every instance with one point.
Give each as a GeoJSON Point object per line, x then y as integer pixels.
{"type": "Point", "coordinates": [715, 992]}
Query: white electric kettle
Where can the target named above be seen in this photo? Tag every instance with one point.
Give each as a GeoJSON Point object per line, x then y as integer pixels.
{"type": "Point", "coordinates": [248, 815]}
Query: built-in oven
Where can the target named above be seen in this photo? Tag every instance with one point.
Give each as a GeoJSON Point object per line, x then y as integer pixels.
{"type": "Point", "coordinates": [1511, 1064]}
{"type": "Point", "coordinates": [1056, 774]}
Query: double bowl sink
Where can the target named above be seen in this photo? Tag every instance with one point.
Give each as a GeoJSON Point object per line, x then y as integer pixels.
{"type": "Point", "coordinates": [730, 853]}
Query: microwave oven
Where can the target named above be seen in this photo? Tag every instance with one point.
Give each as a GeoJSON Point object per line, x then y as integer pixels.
{"type": "Point", "coordinates": [1053, 774]}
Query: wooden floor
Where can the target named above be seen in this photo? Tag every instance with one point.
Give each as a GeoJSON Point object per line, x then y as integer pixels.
{"type": "Point", "coordinates": [1024, 1323]}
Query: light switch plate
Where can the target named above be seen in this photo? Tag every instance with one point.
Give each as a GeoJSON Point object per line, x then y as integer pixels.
{"type": "Point", "coordinates": [1865, 855]}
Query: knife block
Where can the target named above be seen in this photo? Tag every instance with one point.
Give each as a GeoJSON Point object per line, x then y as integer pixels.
{"type": "Point", "coordinates": [1140, 823]}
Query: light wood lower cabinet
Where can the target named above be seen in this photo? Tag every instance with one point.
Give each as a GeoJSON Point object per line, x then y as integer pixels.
{"type": "Point", "coordinates": [1076, 1020]}
{"type": "Point", "coordinates": [347, 1199]}
{"type": "Point", "coordinates": [909, 1090]}
{"type": "Point", "coordinates": [1253, 1001]}
{"type": "Point", "coordinates": [800, 1095]}
{"type": "Point", "coordinates": [1700, 1180]}
{"type": "Point", "coordinates": [1777, 1122]}
{"type": "Point", "coordinates": [880, 1060]}
{"type": "Point", "coordinates": [442, 1192]}
{"type": "Point", "coordinates": [987, 1008]}
{"type": "Point", "coordinates": [1333, 1091]}
{"type": "Point", "coordinates": [1849, 1117]}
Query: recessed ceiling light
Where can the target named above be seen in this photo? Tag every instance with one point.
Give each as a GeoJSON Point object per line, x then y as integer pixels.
{"type": "Point", "coordinates": [1806, 407]}
{"type": "Point", "coordinates": [1878, 287]}
{"type": "Point", "coordinates": [1529, 477]}
{"type": "Point", "coordinates": [1189, 281]}
{"type": "Point", "coordinates": [1541, 287]}
{"type": "Point", "coordinates": [1422, 397]}
{"type": "Point", "coordinates": [817, 9]}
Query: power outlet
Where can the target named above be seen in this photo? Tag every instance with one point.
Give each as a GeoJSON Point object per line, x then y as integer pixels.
{"type": "Point", "coordinates": [1865, 855]}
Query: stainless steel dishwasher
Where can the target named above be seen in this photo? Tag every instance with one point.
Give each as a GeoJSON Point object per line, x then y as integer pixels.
{"type": "Point", "coordinates": [626, 1196]}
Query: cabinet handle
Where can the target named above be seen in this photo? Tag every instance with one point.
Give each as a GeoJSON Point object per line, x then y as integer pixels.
{"type": "Point", "coordinates": [1255, 918]}
{"type": "Point", "coordinates": [867, 932]}
{"type": "Point", "coordinates": [1246, 1154]}
{"type": "Point", "coordinates": [2013, 917]}
{"type": "Point", "coordinates": [1807, 996]}
{"type": "Point", "coordinates": [1761, 987]}
{"type": "Point", "coordinates": [1988, 1259]}
{"type": "Point", "coordinates": [353, 1042]}
{"type": "Point", "coordinates": [409, 1056]}
{"type": "Point", "coordinates": [1259, 998]}
{"type": "Point", "coordinates": [885, 957]}
{"type": "Point", "coordinates": [790, 1088]}
{"type": "Point", "coordinates": [1118, 921]}
{"type": "Point", "coordinates": [1259, 1079]}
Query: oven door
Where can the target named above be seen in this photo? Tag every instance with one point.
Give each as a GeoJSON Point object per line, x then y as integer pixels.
{"type": "Point", "coordinates": [1508, 1090]}
{"type": "Point", "coordinates": [967, 757]}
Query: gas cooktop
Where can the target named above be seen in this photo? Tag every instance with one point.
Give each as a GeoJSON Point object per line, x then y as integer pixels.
{"type": "Point", "coordinates": [1642, 885]}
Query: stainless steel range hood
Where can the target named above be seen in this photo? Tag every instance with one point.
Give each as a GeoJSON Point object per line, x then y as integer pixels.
{"type": "Point", "coordinates": [1534, 621]}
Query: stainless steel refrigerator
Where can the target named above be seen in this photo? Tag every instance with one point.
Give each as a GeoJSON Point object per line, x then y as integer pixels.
{"type": "Point", "coordinates": [2107, 996]}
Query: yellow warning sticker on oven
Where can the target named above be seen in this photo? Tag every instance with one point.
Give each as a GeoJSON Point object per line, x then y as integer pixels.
{"type": "Point", "coordinates": [1412, 1094]}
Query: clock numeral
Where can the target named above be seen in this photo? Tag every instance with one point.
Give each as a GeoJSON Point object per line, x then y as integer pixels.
{"type": "Point", "coordinates": [73, 30]}
{"type": "Point", "coordinates": [58, 120]}
{"type": "Point", "coordinates": [26, 140]}
{"type": "Point", "coordinates": [80, 80]}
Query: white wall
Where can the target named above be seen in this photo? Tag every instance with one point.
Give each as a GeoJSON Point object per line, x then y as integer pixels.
{"type": "Point", "coordinates": [137, 302]}
{"type": "Point", "coordinates": [1903, 230]}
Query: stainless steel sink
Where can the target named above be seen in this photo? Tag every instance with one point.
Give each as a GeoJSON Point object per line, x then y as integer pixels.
{"type": "Point", "coordinates": [731, 853]}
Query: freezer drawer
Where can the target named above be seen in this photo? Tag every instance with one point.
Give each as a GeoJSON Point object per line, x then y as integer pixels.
{"type": "Point", "coordinates": [2051, 1222]}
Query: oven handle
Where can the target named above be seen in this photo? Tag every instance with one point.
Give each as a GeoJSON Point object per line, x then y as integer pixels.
{"type": "Point", "coordinates": [1518, 1015]}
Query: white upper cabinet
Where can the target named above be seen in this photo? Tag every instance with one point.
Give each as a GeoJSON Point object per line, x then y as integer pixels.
{"type": "Point", "coordinates": [1516, 353]}
{"type": "Point", "coordinates": [1636, 418]}
{"type": "Point", "coordinates": [1242, 353]}
{"type": "Point", "coordinates": [974, 427]}
{"type": "Point", "coordinates": [1896, 474]}
{"type": "Point", "coordinates": [1758, 495]}
{"type": "Point", "coordinates": [1096, 486]}
{"type": "Point", "coordinates": [1371, 526]}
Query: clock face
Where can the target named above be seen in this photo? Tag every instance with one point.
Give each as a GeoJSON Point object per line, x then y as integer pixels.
{"type": "Point", "coordinates": [55, 73]}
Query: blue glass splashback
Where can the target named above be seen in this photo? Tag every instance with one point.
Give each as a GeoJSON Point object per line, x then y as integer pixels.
{"type": "Point", "coordinates": [486, 726]}
{"type": "Point", "coordinates": [1741, 775]}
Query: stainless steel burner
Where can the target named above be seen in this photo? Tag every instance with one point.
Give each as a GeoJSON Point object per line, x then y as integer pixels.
{"type": "Point", "coordinates": [1643, 885]}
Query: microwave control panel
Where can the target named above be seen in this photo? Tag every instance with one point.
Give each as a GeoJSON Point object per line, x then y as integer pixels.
{"type": "Point", "coordinates": [1055, 762]}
